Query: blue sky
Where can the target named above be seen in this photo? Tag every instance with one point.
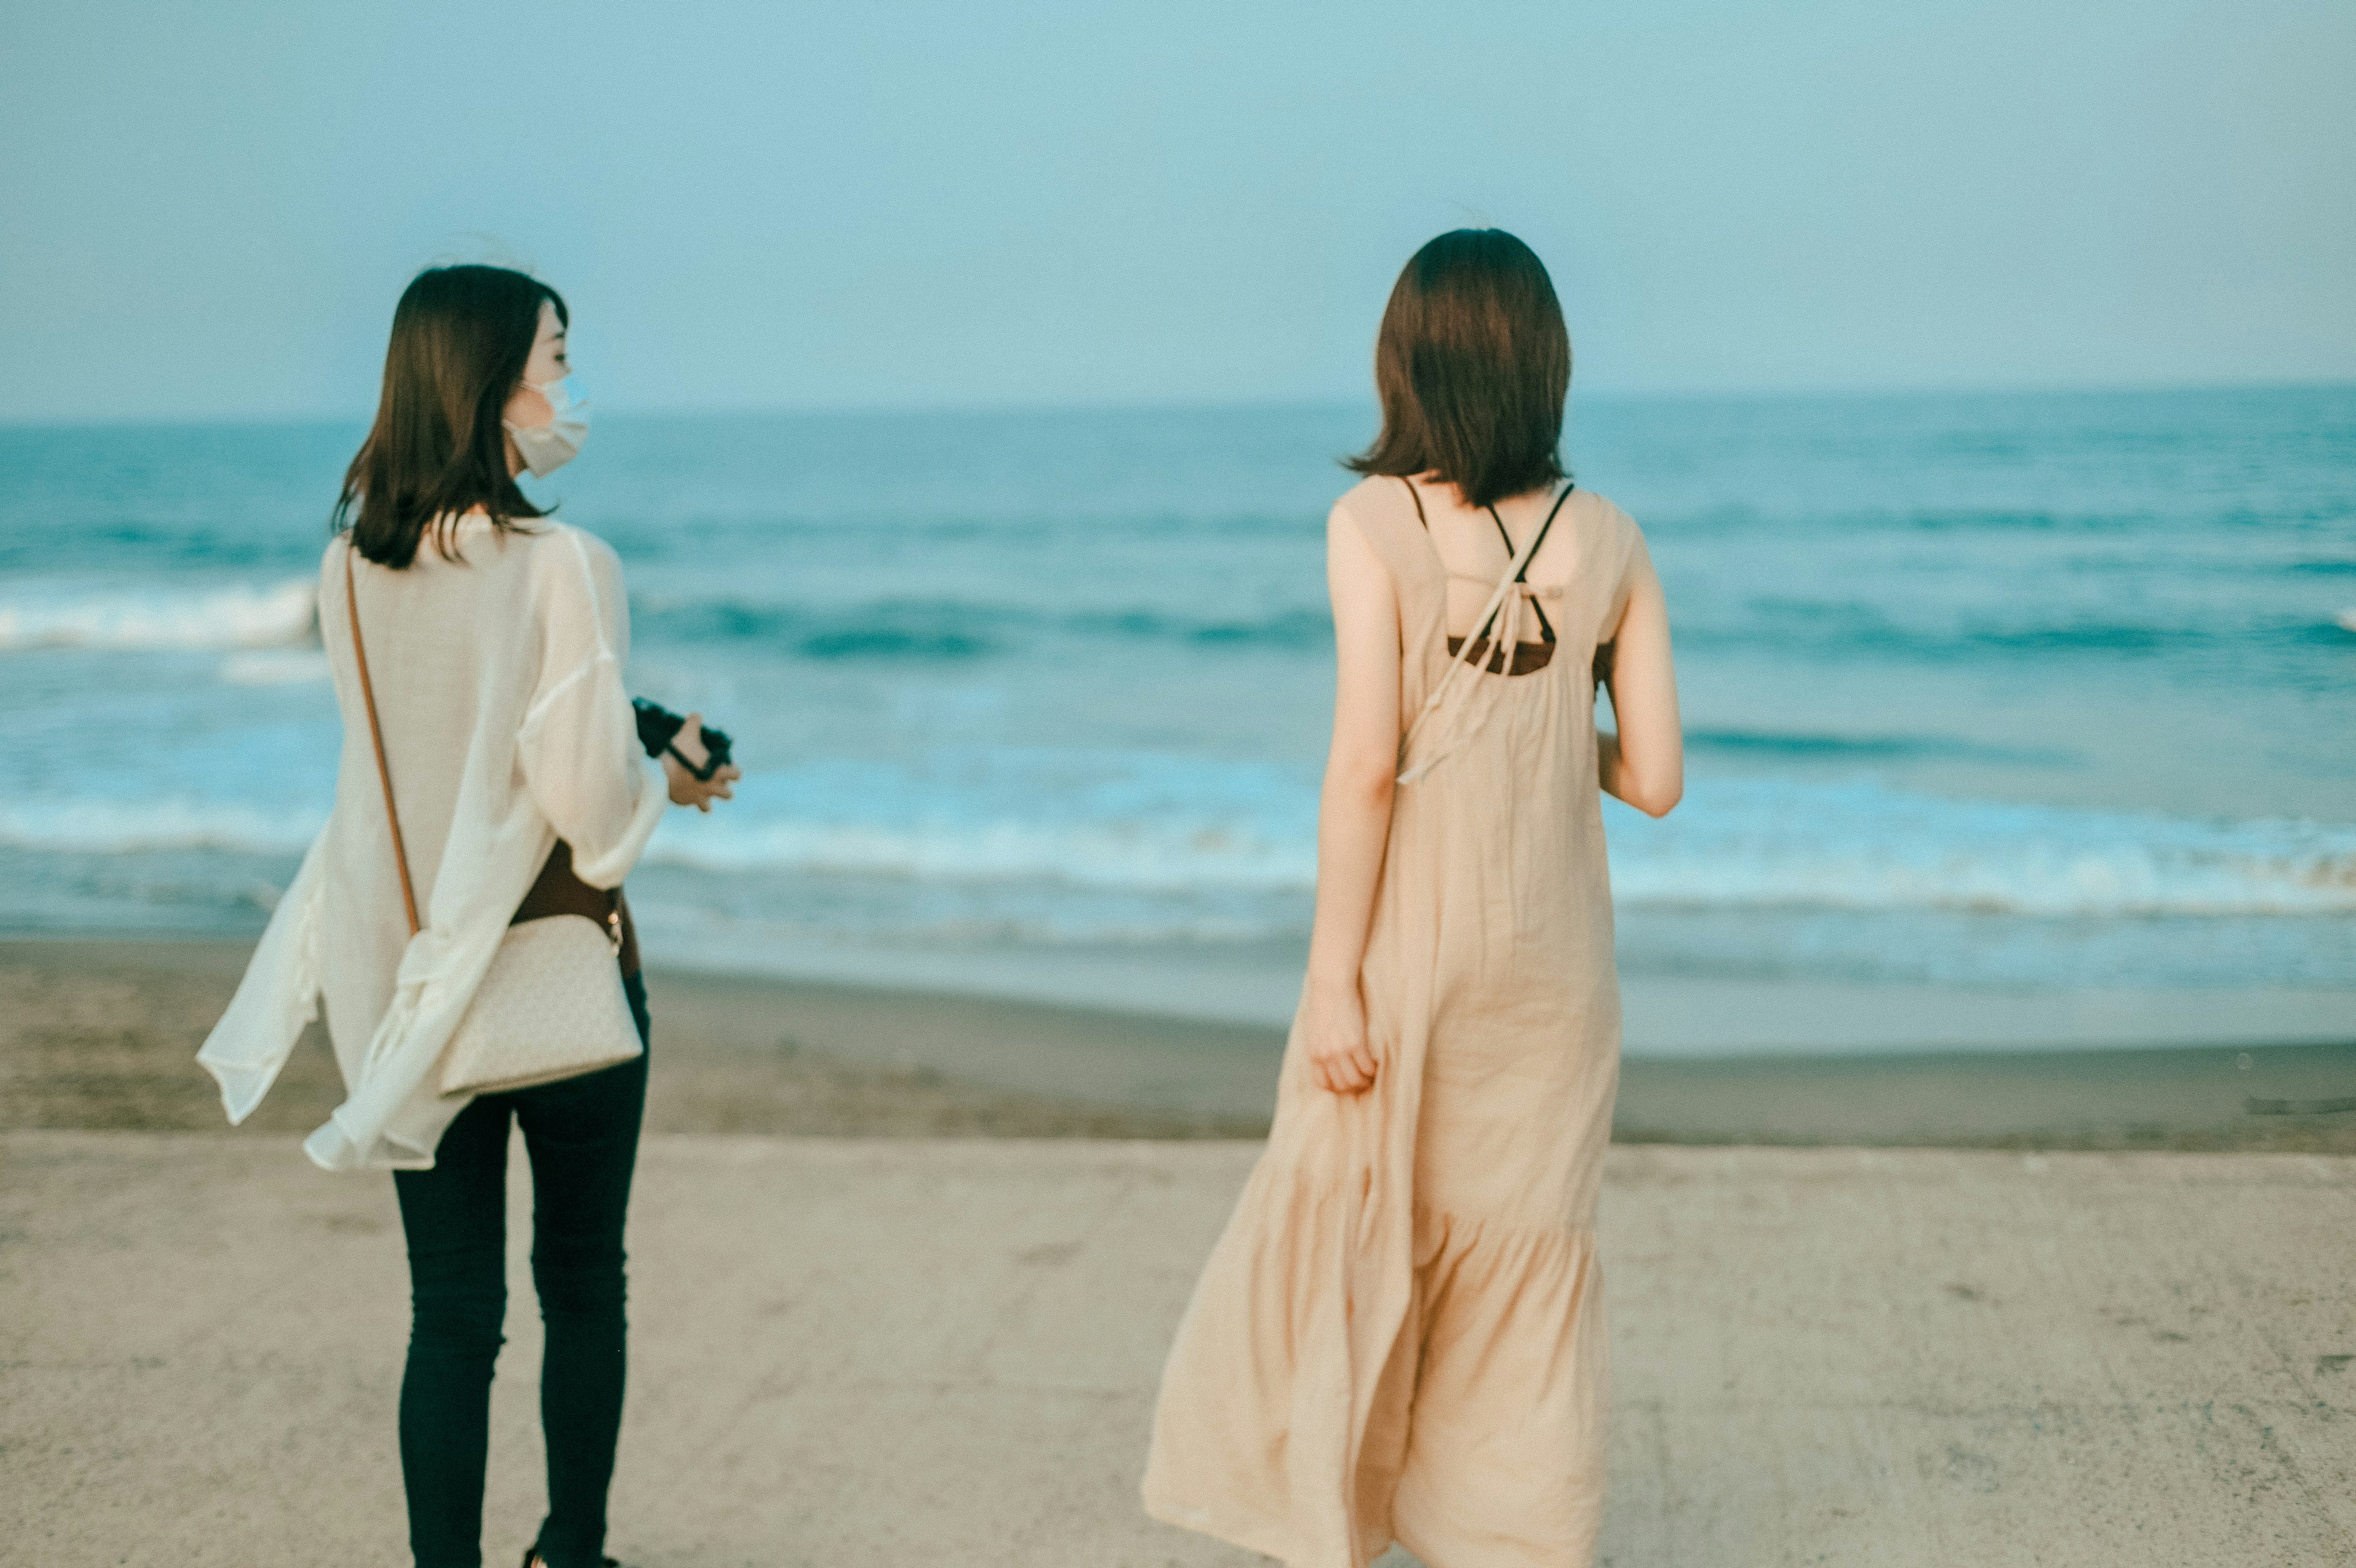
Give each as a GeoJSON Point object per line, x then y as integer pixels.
{"type": "Point", "coordinates": [209, 210]}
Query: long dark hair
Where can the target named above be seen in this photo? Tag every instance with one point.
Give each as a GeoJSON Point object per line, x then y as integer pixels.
{"type": "Point", "coordinates": [461, 337]}
{"type": "Point", "coordinates": [1471, 367]}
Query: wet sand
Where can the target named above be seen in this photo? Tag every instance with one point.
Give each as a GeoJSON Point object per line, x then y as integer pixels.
{"type": "Point", "coordinates": [102, 1035]}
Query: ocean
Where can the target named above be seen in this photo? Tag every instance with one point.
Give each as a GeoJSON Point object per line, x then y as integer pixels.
{"type": "Point", "coordinates": [2011, 719]}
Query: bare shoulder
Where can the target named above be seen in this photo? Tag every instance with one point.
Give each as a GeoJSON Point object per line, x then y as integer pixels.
{"type": "Point", "coordinates": [1370, 495]}
{"type": "Point", "coordinates": [1375, 502]}
{"type": "Point", "coordinates": [1606, 515]}
{"type": "Point", "coordinates": [1382, 511]}
{"type": "Point", "coordinates": [1613, 529]}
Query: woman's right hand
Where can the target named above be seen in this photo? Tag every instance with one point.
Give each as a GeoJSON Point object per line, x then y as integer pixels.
{"type": "Point", "coordinates": [1333, 1029]}
{"type": "Point", "coordinates": [686, 789]}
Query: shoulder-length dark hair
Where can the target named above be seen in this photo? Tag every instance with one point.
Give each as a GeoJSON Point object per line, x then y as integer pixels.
{"type": "Point", "coordinates": [461, 337]}
{"type": "Point", "coordinates": [1471, 367]}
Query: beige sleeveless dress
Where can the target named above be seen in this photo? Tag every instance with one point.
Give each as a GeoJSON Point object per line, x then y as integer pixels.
{"type": "Point", "coordinates": [1400, 1334]}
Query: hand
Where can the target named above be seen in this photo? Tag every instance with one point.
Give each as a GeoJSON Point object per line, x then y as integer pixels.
{"type": "Point", "coordinates": [1334, 1031]}
{"type": "Point", "coordinates": [686, 789]}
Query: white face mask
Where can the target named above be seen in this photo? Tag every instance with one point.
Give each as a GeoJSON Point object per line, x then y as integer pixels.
{"type": "Point", "coordinates": [545, 448]}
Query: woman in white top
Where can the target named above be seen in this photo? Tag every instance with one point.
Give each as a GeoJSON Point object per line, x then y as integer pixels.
{"type": "Point", "coordinates": [496, 640]}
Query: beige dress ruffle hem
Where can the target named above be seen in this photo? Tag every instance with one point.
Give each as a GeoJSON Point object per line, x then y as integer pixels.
{"type": "Point", "coordinates": [1400, 1334]}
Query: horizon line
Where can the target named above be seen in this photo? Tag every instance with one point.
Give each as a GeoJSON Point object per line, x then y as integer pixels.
{"type": "Point", "coordinates": [1242, 404]}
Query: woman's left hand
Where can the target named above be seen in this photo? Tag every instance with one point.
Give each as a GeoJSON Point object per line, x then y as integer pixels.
{"type": "Point", "coordinates": [1334, 1031]}
{"type": "Point", "coordinates": [686, 789]}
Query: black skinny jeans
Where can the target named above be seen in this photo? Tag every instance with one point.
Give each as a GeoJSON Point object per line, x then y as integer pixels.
{"type": "Point", "coordinates": [582, 1134]}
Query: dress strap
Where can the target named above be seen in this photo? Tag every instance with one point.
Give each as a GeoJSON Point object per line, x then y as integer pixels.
{"type": "Point", "coordinates": [1512, 588]}
{"type": "Point", "coordinates": [1546, 627]}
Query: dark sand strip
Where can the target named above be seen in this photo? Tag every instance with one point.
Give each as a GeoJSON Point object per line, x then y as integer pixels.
{"type": "Point", "coordinates": [102, 1033]}
{"type": "Point", "coordinates": [2179, 1097]}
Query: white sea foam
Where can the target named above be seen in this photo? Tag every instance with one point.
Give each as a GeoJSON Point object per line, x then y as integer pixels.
{"type": "Point", "coordinates": [1765, 842]}
{"type": "Point", "coordinates": [145, 827]}
{"type": "Point", "coordinates": [1113, 820]}
{"type": "Point", "coordinates": [244, 616]}
{"type": "Point", "coordinates": [274, 666]}
{"type": "Point", "coordinates": [1746, 843]}
{"type": "Point", "coordinates": [1136, 828]}
{"type": "Point", "coordinates": [1138, 857]}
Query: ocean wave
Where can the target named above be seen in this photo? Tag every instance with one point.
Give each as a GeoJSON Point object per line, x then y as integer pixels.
{"type": "Point", "coordinates": [1844, 631]}
{"type": "Point", "coordinates": [891, 629]}
{"type": "Point", "coordinates": [1160, 828]}
{"type": "Point", "coordinates": [951, 630]}
{"type": "Point", "coordinates": [1861, 749]}
{"type": "Point", "coordinates": [1282, 628]}
{"type": "Point", "coordinates": [1737, 843]}
{"type": "Point", "coordinates": [242, 616]}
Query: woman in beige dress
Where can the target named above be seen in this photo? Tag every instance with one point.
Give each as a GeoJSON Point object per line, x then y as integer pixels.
{"type": "Point", "coordinates": [1400, 1335]}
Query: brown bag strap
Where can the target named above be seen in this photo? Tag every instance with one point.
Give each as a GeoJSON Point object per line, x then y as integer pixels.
{"type": "Point", "coordinates": [375, 733]}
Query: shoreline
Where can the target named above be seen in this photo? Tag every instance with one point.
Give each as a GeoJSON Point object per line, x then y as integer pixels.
{"type": "Point", "coordinates": [101, 1032]}
{"type": "Point", "coordinates": [1663, 1014]}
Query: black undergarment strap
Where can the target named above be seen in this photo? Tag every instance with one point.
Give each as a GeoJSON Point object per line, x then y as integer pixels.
{"type": "Point", "coordinates": [1546, 627]}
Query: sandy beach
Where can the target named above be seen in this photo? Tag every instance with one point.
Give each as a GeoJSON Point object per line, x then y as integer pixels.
{"type": "Point", "coordinates": [869, 1353]}
{"type": "Point", "coordinates": [905, 1266]}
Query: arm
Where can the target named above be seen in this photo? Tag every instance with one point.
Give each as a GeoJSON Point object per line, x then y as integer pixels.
{"type": "Point", "coordinates": [1644, 763]}
{"type": "Point", "coordinates": [578, 746]}
{"type": "Point", "coordinates": [1353, 812]}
